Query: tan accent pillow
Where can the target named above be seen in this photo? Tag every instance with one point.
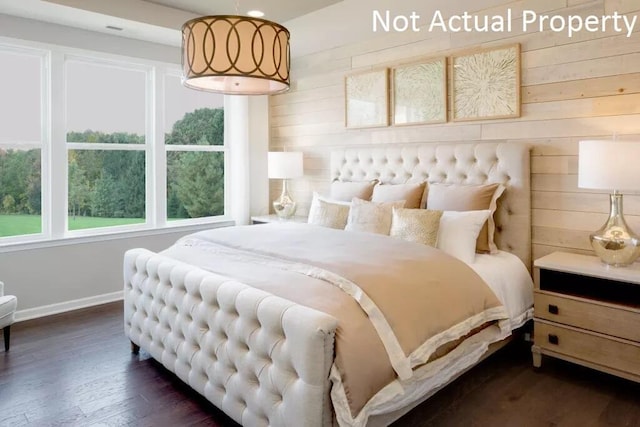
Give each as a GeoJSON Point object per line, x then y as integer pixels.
{"type": "Point", "coordinates": [410, 193]}
{"type": "Point", "coordinates": [371, 217]}
{"type": "Point", "coordinates": [328, 213]}
{"type": "Point", "coordinates": [346, 191]}
{"type": "Point", "coordinates": [416, 225]}
{"type": "Point", "coordinates": [451, 197]}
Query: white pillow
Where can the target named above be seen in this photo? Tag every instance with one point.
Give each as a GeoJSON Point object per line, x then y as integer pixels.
{"type": "Point", "coordinates": [371, 217]}
{"type": "Point", "coordinates": [328, 213]}
{"type": "Point", "coordinates": [459, 231]}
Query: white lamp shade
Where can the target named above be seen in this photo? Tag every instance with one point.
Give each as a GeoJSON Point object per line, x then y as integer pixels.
{"type": "Point", "coordinates": [285, 164]}
{"type": "Point", "coordinates": [609, 165]}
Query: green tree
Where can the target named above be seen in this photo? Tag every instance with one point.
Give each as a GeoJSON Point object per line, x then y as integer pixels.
{"type": "Point", "coordinates": [34, 184]}
{"type": "Point", "coordinates": [195, 180]}
{"type": "Point", "coordinates": [105, 200]}
{"type": "Point", "coordinates": [199, 183]}
{"type": "Point", "coordinates": [204, 124]}
{"type": "Point", "coordinates": [79, 191]}
{"type": "Point", "coordinates": [8, 204]}
{"type": "Point", "coordinates": [91, 136]}
{"type": "Point", "coordinates": [20, 179]}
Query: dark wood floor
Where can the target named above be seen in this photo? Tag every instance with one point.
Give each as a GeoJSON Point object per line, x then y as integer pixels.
{"type": "Point", "coordinates": [75, 369]}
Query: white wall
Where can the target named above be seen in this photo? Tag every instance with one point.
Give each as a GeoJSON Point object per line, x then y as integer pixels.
{"type": "Point", "coordinates": [258, 148]}
{"type": "Point", "coordinates": [51, 278]}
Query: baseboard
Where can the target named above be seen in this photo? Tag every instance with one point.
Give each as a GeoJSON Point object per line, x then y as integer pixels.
{"type": "Point", "coordinates": [61, 307]}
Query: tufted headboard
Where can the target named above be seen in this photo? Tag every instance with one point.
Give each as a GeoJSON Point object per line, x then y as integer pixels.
{"type": "Point", "coordinates": [480, 163]}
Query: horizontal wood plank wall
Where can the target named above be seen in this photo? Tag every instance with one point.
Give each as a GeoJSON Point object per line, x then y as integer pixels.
{"type": "Point", "coordinates": [587, 86]}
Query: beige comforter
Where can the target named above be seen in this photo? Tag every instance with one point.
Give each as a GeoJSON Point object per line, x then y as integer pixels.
{"type": "Point", "coordinates": [396, 302]}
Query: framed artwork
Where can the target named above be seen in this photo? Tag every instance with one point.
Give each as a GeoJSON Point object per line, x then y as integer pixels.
{"type": "Point", "coordinates": [419, 92]}
{"type": "Point", "coordinates": [486, 84]}
{"type": "Point", "coordinates": [367, 99]}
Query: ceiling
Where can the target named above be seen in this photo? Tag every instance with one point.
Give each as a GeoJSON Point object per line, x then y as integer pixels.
{"type": "Point", "coordinates": [158, 21]}
{"type": "Point", "coordinates": [274, 10]}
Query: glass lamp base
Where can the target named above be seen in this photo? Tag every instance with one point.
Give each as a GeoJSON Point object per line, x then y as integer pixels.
{"type": "Point", "coordinates": [618, 251]}
{"type": "Point", "coordinates": [615, 243]}
{"type": "Point", "coordinates": [283, 209]}
{"type": "Point", "coordinates": [284, 206]}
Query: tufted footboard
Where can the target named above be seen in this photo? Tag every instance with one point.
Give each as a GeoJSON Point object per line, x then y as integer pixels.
{"type": "Point", "coordinates": [262, 359]}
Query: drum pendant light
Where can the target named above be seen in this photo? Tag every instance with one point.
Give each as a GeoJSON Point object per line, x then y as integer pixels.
{"type": "Point", "coordinates": [235, 55]}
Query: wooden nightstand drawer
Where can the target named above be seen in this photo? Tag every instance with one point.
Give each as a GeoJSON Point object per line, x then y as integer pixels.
{"type": "Point", "coordinates": [592, 315]}
{"type": "Point", "coordinates": [616, 354]}
{"type": "Point", "coordinates": [587, 313]}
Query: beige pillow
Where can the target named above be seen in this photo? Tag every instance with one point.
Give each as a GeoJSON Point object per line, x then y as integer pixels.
{"type": "Point", "coordinates": [371, 217]}
{"type": "Point", "coordinates": [410, 193]}
{"type": "Point", "coordinates": [416, 225]}
{"type": "Point", "coordinates": [328, 213]}
{"type": "Point", "coordinates": [447, 197]}
{"type": "Point", "coordinates": [346, 191]}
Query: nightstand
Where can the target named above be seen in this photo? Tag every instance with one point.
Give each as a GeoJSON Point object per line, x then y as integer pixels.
{"type": "Point", "coordinates": [265, 219]}
{"type": "Point", "coordinates": [588, 313]}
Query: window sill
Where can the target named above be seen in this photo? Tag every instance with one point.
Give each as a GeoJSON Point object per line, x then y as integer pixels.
{"type": "Point", "coordinates": [114, 235]}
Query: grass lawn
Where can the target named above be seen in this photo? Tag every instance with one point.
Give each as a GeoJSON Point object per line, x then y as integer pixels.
{"type": "Point", "coordinates": [15, 225]}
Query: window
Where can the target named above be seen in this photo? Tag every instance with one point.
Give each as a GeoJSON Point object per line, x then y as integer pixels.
{"type": "Point", "coordinates": [195, 148]}
{"type": "Point", "coordinates": [106, 142]}
{"type": "Point", "coordinates": [94, 144]}
{"type": "Point", "coordinates": [21, 141]}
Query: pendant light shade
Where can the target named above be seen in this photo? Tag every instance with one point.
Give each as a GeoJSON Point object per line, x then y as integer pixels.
{"type": "Point", "coordinates": [236, 55]}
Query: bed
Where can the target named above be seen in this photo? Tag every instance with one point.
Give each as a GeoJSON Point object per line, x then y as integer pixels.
{"type": "Point", "coordinates": [211, 308]}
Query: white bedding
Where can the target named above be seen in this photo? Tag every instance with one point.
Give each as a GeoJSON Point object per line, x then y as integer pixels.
{"type": "Point", "coordinates": [510, 281]}
{"type": "Point", "coordinates": [503, 272]}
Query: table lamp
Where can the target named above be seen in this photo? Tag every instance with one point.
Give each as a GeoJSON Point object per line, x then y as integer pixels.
{"type": "Point", "coordinates": [612, 165]}
{"type": "Point", "coordinates": [284, 165]}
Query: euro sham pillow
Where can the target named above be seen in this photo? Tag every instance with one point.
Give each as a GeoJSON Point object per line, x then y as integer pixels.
{"type": "Point", "coordinates": [451, 197]}
{"type": "Point", "coordinates": [459, 231]}
{"type": "Point", "coordinates": [416, 225]}
{"type": "Point", "coordinates": [328, 213]}
{"type": "Point", "coordinates": [412, 194]}
{"type": "Point", "coordinates": [346, 191]}
{"type": "Point", "coordinates": [371, 217]}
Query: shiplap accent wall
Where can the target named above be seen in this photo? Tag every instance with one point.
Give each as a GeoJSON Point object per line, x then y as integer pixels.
{"type": "Point", "coordinates": [587, 86]}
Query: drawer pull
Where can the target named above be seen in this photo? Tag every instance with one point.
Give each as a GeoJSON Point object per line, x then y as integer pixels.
{"type": "Point", "coordinates": [553, 339]}
{"type": "Point", "coordinates": [553, 309]}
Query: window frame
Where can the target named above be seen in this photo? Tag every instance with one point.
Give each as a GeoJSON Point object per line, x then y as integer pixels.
{"type": "Point", "coordinates": [45, 137]}
{"type": "Point", "coordinates": [224, 148]}
{"type": "Point", "coordinates": [148, 142]}
{"type": "Point", "coordinates": [55, 148]}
